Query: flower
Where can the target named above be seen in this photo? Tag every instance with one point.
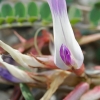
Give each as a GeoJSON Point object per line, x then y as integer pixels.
{"type": "Point", "coordinates": [67, 50]}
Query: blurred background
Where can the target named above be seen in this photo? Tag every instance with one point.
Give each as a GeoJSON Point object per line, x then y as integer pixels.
{"type": "Point", "coordinates": [26, 16]}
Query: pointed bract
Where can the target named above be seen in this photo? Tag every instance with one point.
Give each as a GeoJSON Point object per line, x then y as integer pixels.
{"type": "Point", "coordinates": [23, 60]}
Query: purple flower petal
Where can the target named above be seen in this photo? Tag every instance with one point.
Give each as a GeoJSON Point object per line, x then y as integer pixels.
{"type": "Point", "coordinates": [57, 6]}
{"type": "Point", "coordinates": [8, 59]}
{"type": "Point", "coordinates": [4, 73]}
{"type": "Point", "coordinates": [63, 34]}
{"type": "Point", "coordinates": [65, 54]}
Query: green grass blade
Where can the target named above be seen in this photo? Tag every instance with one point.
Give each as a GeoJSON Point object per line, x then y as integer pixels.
{"type": "Point", "coordinates": [26, 92]}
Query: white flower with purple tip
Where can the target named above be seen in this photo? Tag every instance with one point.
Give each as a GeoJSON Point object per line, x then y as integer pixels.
{"type": "Point", "coordinates": [67, 50]}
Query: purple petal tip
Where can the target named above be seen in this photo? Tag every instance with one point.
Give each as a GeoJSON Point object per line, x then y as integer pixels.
{"type": "Point", "coordinates": [58, 6]}
{"type": "Point", "coordinates": [65, 54]}
{"type": "Point", "coordinates": [4, 73]}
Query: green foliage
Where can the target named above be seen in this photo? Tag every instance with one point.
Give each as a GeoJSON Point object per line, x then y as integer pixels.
{"type": "Point", "coordinates": [26, 92]}
{"type": "Point", "coordinates": [21, 14]}
{"type": "Point", "coordinates": [74, 12]}
{"type": "Point", "coordinates": [75, 15]}
{"type": "Point", "coordinates": [45, 13]}
{"type": "Point", "coordinates": [7, 10]}
{"type": "Point", "coordinates": [75, 21]}
{"type": "Point", "coordinates": [69, 2]}
{"type": "Point", "coordinates": [94, 14]}
{"type": "Point", "coordinates": [32, 11]}
{"type": "Point", "coordinates": [20, 11]}
{"type": "Point", "coordinates": [1, 1]}
{"type": "Point", "coordinates": [10, 19]}
{"type": "Point", "coordinates": [1, 19]}
{"type": "Point", "coordinates": [7, 13]}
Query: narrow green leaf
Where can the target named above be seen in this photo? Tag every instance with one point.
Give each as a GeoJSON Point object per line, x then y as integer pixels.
{"type": "Point", "coordinates": [26, 92]}
{"type": "Point", "coordinates": [94, 14]}
{"type": "Point", "coordinates": [45, 13]}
